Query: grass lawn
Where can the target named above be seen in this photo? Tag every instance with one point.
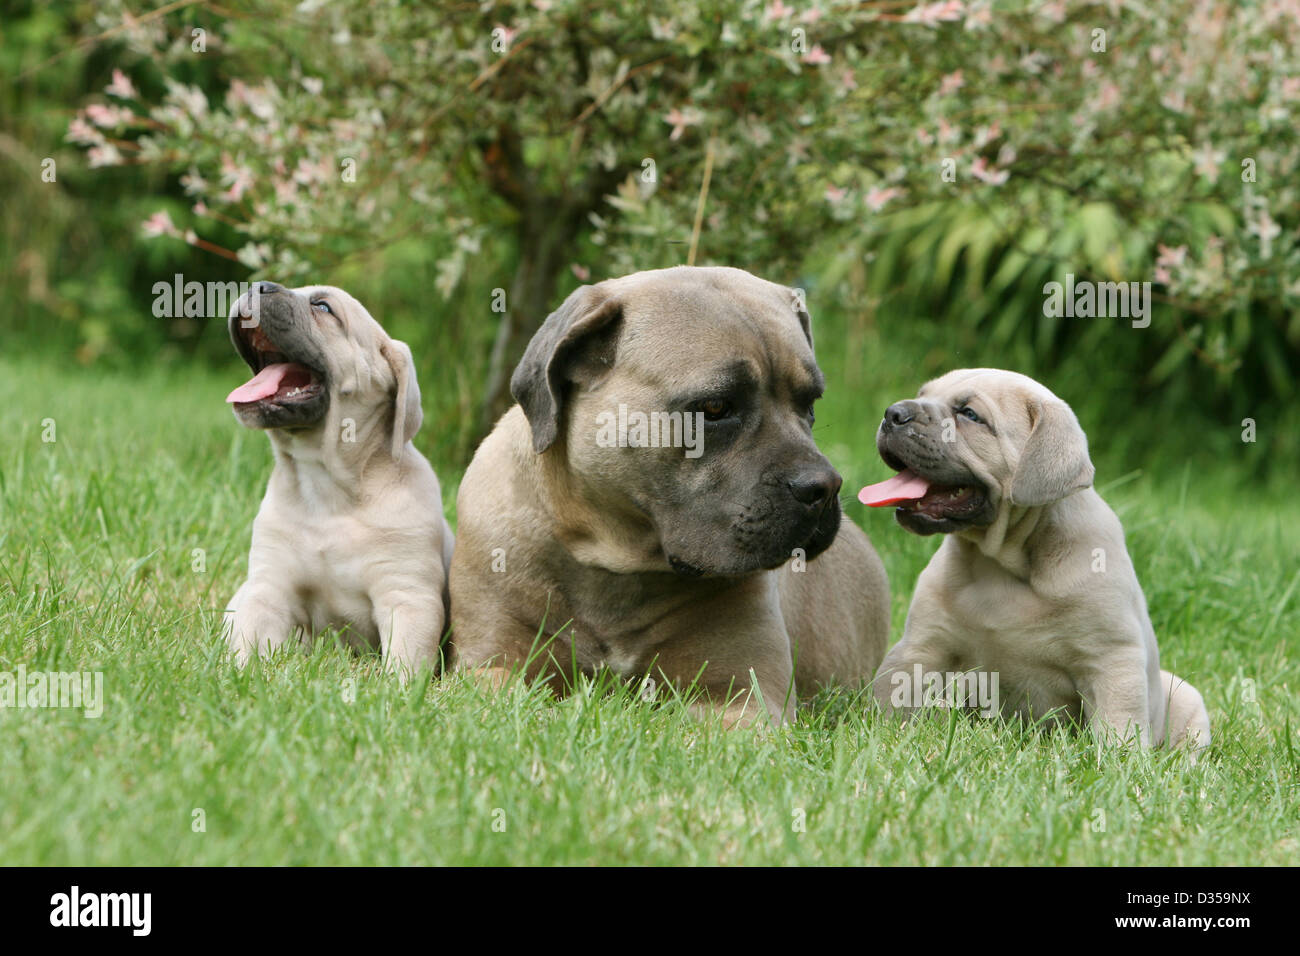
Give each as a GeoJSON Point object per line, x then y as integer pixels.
{"type": "Point", "coordinates": [324, 759]}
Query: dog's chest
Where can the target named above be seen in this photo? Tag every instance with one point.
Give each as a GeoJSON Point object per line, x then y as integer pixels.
{"type": "Point", "coordinates": [1002, 627]}
{"type": "Point", "coordinates": [327, 569]}
{"type": "Point", "coordinates": [615, 621]}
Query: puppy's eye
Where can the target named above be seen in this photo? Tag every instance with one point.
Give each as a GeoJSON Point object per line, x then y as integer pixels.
{"type": "Point", "coordinates": [967, 412]}
{"type": "Point", "coordinates": [812, 415]}
{"type": "Point", "coordinates": [323, 306]}
{"type": "Point", "coordinates": [715, 409]}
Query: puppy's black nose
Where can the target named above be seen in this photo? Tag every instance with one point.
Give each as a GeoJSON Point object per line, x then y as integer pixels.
{"type": "Point", "coordinates": [266, 288]}
{"type": "Point", "coordinates": [815, 486]}
{"type": "Point", "coordinates": [900, 413]}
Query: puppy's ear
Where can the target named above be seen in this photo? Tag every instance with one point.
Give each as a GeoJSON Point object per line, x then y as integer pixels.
{"type": "Point", "coordinates": [542, 379]}
{"type": "Point", "coordinates": [1054, 462]}
{"type": "Point", "coordinates": [407, 414]}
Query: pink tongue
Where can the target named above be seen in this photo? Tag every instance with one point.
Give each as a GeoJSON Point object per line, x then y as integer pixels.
{"type": "Point", "coordinates": [262, 385]}
{"type": "Point", "coordinates": [904, 486]}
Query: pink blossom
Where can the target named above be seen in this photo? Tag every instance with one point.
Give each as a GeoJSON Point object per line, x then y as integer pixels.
{"type": "Point", "coordinates": [1106, 97]}
{"type": "Point", "coordinates": [680, 119]}
{"type": "Point", "coordinates": [237, 95]}
{"type": "Point", "coordinates": [951, 83]}
{"type": "Point", "coordinates": [1266, 229]}
{"type": "Point", "coordinates": [1033, 62]}
{"type": "Point", "coordinates": [1054, 11]}
{"type": "Point", "coordinates": [982, 171]}
{"type": "Point", "coordinates": [931, 14]}
{"type": "Point", "coordinates": [1207, 161]}
{"type": "Point", "coordinates": [835, 195]}
{"type": "Point", "coordinates": [239, 178]}
{"type": "Point", "coordinates": [582, 272]}
{"type": "Point", "coordinates": [848, 82]}
{"type": "Point", "coordinates": [82, 133]}
{"type": "Point", "coordinates": [777, 11]}
{"type": "Point", "coordinates": [978, 17]}
{"type": "Point", "coordinates": [877, 198]}
{"type": "Point", "coordinates": [107, 117]}
{"type": "Point", "coordinates": [1171, 256]}
{"type": "Point", "coordinates": [120, 87]}
{"type": "Point", "coordinates": [987, 134]}
{"type": "Point", "coordinates": [104, 155]}
{"type": "Point", "coordinates": [159, 224]}
{"type": "Point", "coordinates": [816, 56]}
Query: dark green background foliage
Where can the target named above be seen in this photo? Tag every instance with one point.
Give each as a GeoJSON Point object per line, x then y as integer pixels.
{"type": "Point", "coordinates": [520, 170]}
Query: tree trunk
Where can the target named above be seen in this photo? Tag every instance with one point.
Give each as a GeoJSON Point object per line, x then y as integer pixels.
{"type": "Point", "coordinates": [547, 232]}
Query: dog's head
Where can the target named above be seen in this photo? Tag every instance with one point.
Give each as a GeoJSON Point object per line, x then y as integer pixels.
{"type": "Point", "coordinates": [321, 362]}
{"type": "Point", "coordinates": [974, 443]}
{"type": "Point", "coordinates": [620, 377]}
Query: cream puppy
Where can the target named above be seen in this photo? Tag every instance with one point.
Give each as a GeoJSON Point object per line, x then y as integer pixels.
{"type": "Point", "coordinates": [351, 533]}
{"type": "Point", "coordinates": [1033, 587]}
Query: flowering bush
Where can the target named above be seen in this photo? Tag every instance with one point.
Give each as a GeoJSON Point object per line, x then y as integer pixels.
{"type": "Point", "coordinates": [1004, 145]}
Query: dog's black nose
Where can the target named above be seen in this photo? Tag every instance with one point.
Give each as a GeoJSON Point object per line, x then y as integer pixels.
{"type": "Point", "coordinates": [815, 486]}
{"type": "Point", "coordinates": [266, 288]}
{"type": "Point", "coordinates": [900, 413]}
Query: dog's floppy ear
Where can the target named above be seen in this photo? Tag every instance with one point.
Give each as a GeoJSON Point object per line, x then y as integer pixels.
{"type": "Point", "coordinates": [1054, 462]}
{"type": "Point", "coordinates": [801, 313]}
{"type": "Point", "coordinates": [540, 380]}
{"type": "Point", "coordinates": [407, 414]}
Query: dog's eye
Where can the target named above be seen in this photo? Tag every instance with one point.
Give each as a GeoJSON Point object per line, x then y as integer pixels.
{"type": "Point", "coordinates": [323, 306]}
{"type": "Point", "coordinates": [812, 415]}
{"type": "Point", "coordinates": [715, 409]}
{"type": "Point", "coordinates": [967, 412]}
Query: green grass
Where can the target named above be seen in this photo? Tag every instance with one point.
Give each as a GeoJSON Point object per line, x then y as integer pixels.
{"type": "Point", "coordinates": [324, 759]}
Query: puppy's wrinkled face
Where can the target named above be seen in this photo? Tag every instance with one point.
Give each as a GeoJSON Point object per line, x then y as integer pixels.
{"type": "Point", "coordinates": [311, 349]}
{"type": "Point", "coordinates": [956, 447]}
{"type": "Point", "coordinates": [973, 444]}
{"type": "Point", "coordinates": [728, 354]}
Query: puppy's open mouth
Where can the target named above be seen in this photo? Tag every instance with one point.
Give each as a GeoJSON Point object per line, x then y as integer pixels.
{"type": "Point", "coordinates": [278, 379]}
{"type": "Point", "coordinates": [926, 507]}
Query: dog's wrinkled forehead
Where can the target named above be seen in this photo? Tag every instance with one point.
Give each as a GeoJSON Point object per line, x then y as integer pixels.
{"type": "Point", "coordinates": [351, 314]}
{"type": "Point", "coordinates": [1007, 392]}
{"type": "Point", "coordinates": [719, 310]}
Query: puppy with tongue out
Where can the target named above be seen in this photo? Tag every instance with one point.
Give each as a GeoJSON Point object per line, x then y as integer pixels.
{"type": "Point", "coordinates": [1031, 606]}
{"type": "Point", "coordinates": [350, 539]}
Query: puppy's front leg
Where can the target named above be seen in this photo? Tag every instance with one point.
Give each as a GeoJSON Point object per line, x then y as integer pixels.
{"type": "Point", "coordinates": [911, 670]}
{"type": "Point", "coordinates": [257, 621]}
{"type": "Point", "coordinates": [410, 630]}
{"type": "Point", "coordinates": [1115, 702]}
